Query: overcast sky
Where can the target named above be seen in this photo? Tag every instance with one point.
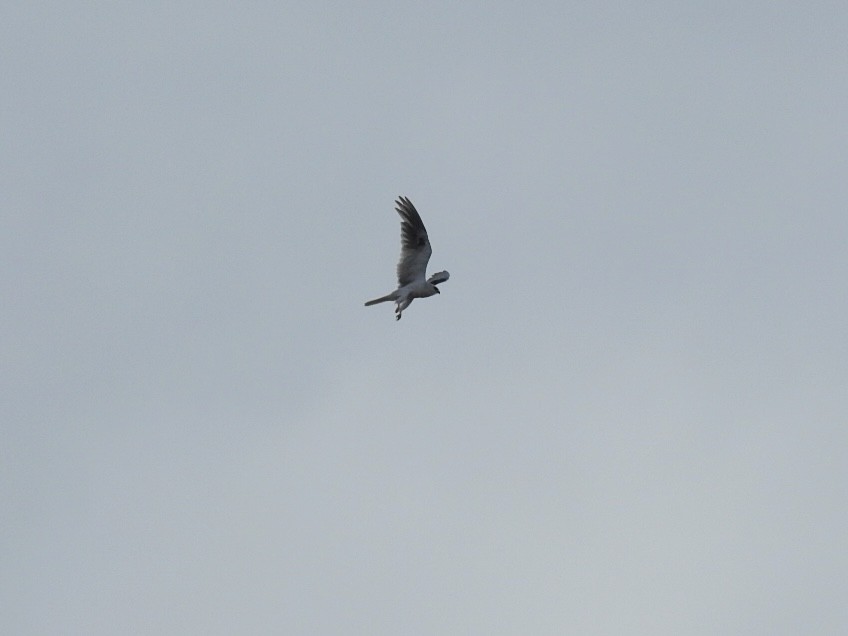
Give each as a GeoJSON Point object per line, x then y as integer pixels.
{"type": "Point", "coordinates": [625, 413]}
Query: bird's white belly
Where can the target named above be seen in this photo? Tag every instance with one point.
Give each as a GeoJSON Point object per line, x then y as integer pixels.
{"type": "Point", "coordinates": [421, 289]}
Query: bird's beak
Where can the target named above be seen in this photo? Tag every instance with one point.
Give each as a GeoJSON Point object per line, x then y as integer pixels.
{"type": "Point", "coordinates": [437, 290]}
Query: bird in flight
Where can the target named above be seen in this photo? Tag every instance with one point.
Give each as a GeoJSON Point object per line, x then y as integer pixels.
{"type": "Point", "coordinates": [415, 251]}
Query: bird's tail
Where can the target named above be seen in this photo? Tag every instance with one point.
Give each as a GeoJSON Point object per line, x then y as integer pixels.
{"type": "Point", "coordinates": [382, 299]}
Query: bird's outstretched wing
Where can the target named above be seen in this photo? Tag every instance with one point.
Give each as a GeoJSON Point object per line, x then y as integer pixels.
{"type": "Point", "coordinates": [415, 247]}
{"type": "Point", "coordinates": [438, 278]}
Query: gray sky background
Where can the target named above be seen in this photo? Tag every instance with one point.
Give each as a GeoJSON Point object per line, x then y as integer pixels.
{"type": "Point", "coordinates": [625, 414]}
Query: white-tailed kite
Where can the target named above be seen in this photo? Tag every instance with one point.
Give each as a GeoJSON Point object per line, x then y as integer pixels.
{"type": "Point", "coordinates": [415, 251]}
